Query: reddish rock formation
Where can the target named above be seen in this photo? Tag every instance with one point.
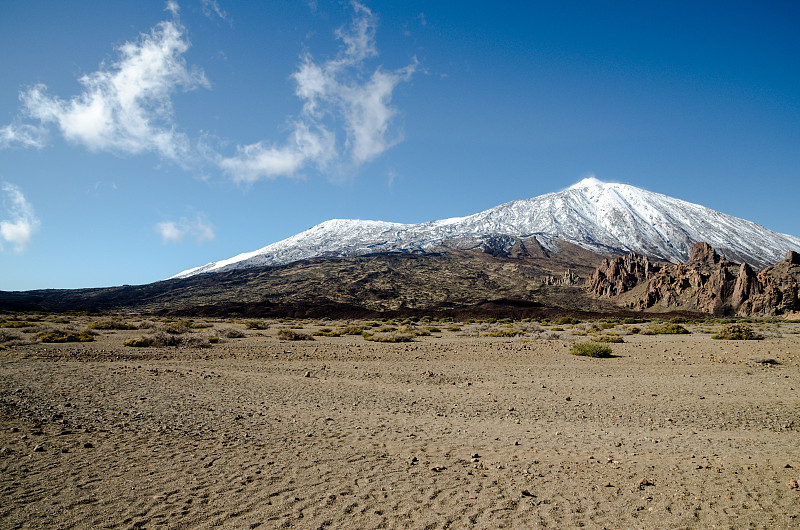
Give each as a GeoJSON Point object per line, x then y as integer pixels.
{"type": "Point", "coordinates": [621, 274]}
{"type": "Point", "coordinates": [707, 283]}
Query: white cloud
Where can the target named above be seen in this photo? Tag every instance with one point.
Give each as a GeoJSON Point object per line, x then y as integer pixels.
{"type": "Point", "coordinates": [262, 161]}
{"type": "Point", "coordinates": [170, 232]}
{"type": "Point", "coordinates": [175, 231]}
{"type": "Point", "coordinates": [211, 8]}
{"type": "Point", "coordinates": [173, 7]}
{"type": "Point", "coordinates": [335, 94]}
{"type": "Point", "coordinates": [127, 107]}
{"type": "Point", "coordinates": [20, 221]}
{"type": "Point", "coordinates": [22, 135]}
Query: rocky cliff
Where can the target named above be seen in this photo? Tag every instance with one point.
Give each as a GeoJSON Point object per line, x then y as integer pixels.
{"type": "Point", "coordinates": [706, 283]}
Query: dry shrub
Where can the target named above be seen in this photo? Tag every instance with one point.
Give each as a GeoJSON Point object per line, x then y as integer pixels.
{"type": "Point", "coordinates": [737, 332]}
{"type": "Point", "coordinates": [290, 334]}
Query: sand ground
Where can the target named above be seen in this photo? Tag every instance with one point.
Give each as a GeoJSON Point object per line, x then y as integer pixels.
{"type": "Point", "coordinates": [453, 430]}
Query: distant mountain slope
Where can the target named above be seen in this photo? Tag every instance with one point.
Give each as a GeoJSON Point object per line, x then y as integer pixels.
{"type": "Point", "coordinates": [602, 217]}
{"type": "Point", "coordinates": [457, 284]}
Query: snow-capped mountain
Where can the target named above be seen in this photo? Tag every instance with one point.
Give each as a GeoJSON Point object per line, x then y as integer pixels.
{"type": "Point", "coordinates": [603, 217]}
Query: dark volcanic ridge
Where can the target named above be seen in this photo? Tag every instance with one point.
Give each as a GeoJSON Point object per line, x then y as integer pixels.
{"type": "Point", "coordinates": [454, 283]}
{"type": "Point", "coordinates": [459, 284]}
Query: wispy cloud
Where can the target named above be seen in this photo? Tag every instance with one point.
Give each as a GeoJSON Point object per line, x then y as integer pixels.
{"type": "Point", "coordinates": [125, 107]}
{"type": "Point", "coordinates": [211, 9]}
{"type": "Point", "coordinates": [19, 220]}
{"type": "Point", "coordinates": [176, 231]}
{"type": "Point", "coordinates": [22, 135]}
{"type": "Point", "coordinates": [173, 7]}
{"type": "Point", "coordinates": [336, 95]}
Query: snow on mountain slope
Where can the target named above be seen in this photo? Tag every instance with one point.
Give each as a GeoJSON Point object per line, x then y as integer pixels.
{"type": "Point", "coordinates": [602, 217]}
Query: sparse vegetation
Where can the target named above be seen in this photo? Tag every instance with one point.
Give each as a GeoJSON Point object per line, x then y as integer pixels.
{"type": "Point", "coordinates": [591, 349]}
{"type": "Point", "coordinates": [505, 333]}
{"type": "Point", "coordinates": [157, 340]}
{"type": "Point", "coordinates": [611, 338]}
{"type": "Point", "coordinates": [347, 330]}
{"type": "Point", "coordinates": [110, 325]}
{"type": "Point", "coordinates": [6, 336]}
{"type": "Point", "coordinates": [667, 329]}
{"type": "Point", "coordinates": [564, 321]}
{"type": "Point", "coordinates": [393, 337]}
{"type": "Point", "coordinates": [256, 324]}
{"type": "Point", "coordinates": [291, 334]}
{"type": "Point", "coordinates": [737, 332]}
{"type": "Point", "coordinates": [139, 342]}
{"type": "Point", "coordinates": [59, 336]}
{"type": "Point", "coordinates": [231, 333]}
{"type": "Point", "coordinates": [16, 324]}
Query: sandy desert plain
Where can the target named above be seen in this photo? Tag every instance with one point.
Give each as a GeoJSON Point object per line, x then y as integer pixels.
{"type": "Point", "coordinates": [455, 429]}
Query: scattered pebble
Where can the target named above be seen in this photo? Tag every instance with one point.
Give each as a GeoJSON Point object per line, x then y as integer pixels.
{"type": "Point", "coordinates": [644, 483]}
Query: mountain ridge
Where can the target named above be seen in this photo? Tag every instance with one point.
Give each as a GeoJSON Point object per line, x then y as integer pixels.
{"type": "Point", "coordinates": [607, 218]}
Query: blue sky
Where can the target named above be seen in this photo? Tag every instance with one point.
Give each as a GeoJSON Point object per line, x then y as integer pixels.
{"type": "Point", "coordinates": [139, 139]}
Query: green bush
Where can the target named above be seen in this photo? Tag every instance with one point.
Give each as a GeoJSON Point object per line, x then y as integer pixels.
{"type": "Point", "coordinates": [567, 320]}
{"type": "Point", "coordinates": [591, 349]}
{"type": "Point", "coordinates": [255, 324]}
{"type": "Point", "coordinates": [737, 332]}
{"type": "Point", "coordinates": [59, 336]}
{"type": "Point", "coordinates": [634, 321]}
{"type": "Point", "coordinates": [613, 338]}
{"type": "Point", "coordinates": [454, 328]}
{"type": "Point", "coordinates": [139, 342]}
{"type": "Point", "coordinates": [16, 324]}
{"type": "Point", "coordinates": [670, 329]}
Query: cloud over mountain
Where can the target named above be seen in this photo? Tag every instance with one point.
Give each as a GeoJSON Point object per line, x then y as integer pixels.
{"type": "Point", "coordinates": [336, 95]}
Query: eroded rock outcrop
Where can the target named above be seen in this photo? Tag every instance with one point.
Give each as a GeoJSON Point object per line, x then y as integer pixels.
{"type": "Point", "coordinates": [707, 282]}
{"type": "Point", "coordinates": [621, 274]}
